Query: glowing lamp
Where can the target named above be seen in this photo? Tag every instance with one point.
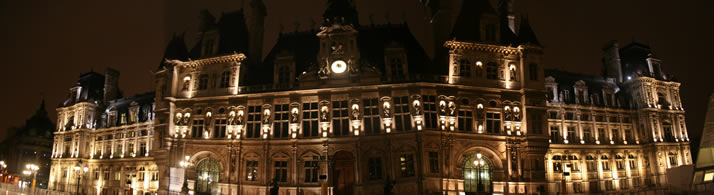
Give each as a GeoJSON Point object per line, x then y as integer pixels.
{"type": "Point", "coordinates": [339, 66]}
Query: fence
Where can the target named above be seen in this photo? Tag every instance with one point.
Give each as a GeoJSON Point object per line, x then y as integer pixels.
{"type": "Point", "coordinates": [8, 189]}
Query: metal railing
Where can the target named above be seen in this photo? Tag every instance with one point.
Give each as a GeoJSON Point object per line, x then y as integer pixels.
{"type": "Point", "coordinates": [17, 189]}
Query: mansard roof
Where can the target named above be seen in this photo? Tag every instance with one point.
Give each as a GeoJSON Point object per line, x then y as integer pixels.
{"type": "Point", "coordinates": [467, 25]}
{"type": "Point", "coordinates": [145, 102]}
{"type": "Point", "coordinates": [595, 85]}
{"type": "Point", "coordinates": [371, 40]}
{"type": "Point", "coordinates": [175, 50]}
{"type": "Point", "coordinates": [232, 34]}
{"type": "Point", "coordinates": [91, 88]}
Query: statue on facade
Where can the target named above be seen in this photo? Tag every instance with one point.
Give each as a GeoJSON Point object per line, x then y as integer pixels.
{"type": "Point", "coordinates": [294, 115]}
{"type": "Point", "coordinates": [417, 107]}
{"type": "Point", "coordinates": [355, 112]}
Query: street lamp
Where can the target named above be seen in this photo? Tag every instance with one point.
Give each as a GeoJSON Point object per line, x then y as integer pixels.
{"type": "Point", "coordinates": [79, 174]}
{"type": "Point", "coordinates": [185, 164]}
{"type": "Point", "coordinates": [3, 168]}
{"type": "Point", "coordinates": [479, 163]}
{"type": "Point", "coordinates": [32, 169]}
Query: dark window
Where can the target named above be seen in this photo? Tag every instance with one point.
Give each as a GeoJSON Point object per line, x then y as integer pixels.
{"type": "Point", "coordinates": [430, 116]}
{"type": "Point", "coordinates": [465, 68]}
{"type": "Point", "coordinates": [434, 162]}
{"type": "Point", "coordinates": [402, 118]}
{"type": "Point", "coordinates": [490, 32]}
{"type": "Point", "coordinates": [553, 115]}
{"type": "Point", "coordinates": [465, 120]}
{"type": "Point", "coordinates": [569, 116]}
{"type": "Point", "coordinates": [533, 72]}
{"type": "Point", "coordinates": [492, 71]}
{"type": "Point", "coordinates": [225, 79]}
{"type": "Point", "coordinates": [371, 116]}
{"type": "Point", "coordinates": [197, 128]}
{"type": "Point", "coordinates": [284, 75]}
{"type": "Point", "coordinates": [397, 70]}
{"type": "Point", "coordinates": [374, 168]}
{"type": "Point", "coordinates": [309, 119]}
{"type": "Point", "coordinates": [203, 82]}
{"type": "Point", "coordinates": [251, 170]}
{"type": "Point", "coordinates": [281, 171]}
{"type": "Point", "coordinates": [219, 131]}
{"type": "Point", "coordinates": [493, 122]}
{"type": "Point", "coordinates": [340, 119]}
{"type": "Point", "coordinates": [406, 165]}
{"type": "Point", "coordinates": [554, 133]}
{"type": "Point", "coordinates": [253, 124]}
{"type": "Point", "coordinates": [280, 121]}
{"type": "Point", "coordinates": [585, 117]}
{"type": "Point", "coordinates": [311, 169]}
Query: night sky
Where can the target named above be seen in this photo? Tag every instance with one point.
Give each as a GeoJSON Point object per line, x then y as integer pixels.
{"type": "Point", "coordinates": [45, 44]}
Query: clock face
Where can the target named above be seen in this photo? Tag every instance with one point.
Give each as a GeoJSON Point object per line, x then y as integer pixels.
{"type": "Point", "coordinates": [338, 66]}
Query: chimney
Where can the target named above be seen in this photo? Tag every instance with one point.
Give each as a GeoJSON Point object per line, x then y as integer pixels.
{"type": "Point", "coordinates": [111, 85]}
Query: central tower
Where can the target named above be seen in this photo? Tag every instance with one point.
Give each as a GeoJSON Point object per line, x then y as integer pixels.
{"type": "Point", "coordinates": [338, 40]}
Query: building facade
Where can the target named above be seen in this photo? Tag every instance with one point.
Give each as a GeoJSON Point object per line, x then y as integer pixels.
{"type": "Point", "coordinates": [362, 109]}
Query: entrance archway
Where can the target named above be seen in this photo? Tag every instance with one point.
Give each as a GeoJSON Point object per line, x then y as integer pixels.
{"type": "Point", "coordinates": [343, 176]}
{"type": "Point", "coordinates": [207, 174]}
{"type": "Point", "coordinates": [478, 172]}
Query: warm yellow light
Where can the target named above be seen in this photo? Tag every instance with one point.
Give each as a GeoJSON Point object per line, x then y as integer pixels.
{"type": "Point", "coordinates": [339, 66]}
{"type": "Point", "coordinates": [187, 78]}
{"type": "Point", "coordinates": [479, 106]}
{"type": "Point", "coordinates": [478, 155]}
{"type": "Point", "coordinates": [479, 63]}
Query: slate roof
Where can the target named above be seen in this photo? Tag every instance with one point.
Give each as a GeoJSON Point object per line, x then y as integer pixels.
{"type": "Point", "coordinates": [92, 89]}
{"type": "Point", "coordinates": [595, 84]}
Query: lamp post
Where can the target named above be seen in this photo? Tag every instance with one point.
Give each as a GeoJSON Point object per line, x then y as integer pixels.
{"type": "Point", "coordinates": [479, 165]}
{"type": "Point", "coordinates": [3, 168]}
{"type": "Point", "coordinates": [32, 169]}
{"type": "Point", "coordinates": [77, 170]}
{"type": "Point", "coordinates": [185, 164]}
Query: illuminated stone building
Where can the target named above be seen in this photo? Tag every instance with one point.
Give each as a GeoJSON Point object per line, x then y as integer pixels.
{"type": "Point", "coordinates": [361, 107]}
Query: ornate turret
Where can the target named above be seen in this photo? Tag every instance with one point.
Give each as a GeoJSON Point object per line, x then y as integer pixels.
{"type": "Point", "coordinates": [341, 12]}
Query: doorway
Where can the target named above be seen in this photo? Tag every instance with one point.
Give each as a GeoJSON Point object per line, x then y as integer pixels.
{"type": "Point", "coordinates": [343, 176]}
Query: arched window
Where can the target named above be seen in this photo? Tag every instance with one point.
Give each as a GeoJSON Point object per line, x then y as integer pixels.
{"type": "Point", "coordinates": [477, 174]}
{"type": "Point", "coordinates": [203, 82]}
{"type": "Point", "coordinates": [492, 71]}
{"type": "Point", "coordinates": [225, 79]}
{"type": "Point", "coordinates": [464, 68]}
{"type": "Point", "coordinates": [207, 174]}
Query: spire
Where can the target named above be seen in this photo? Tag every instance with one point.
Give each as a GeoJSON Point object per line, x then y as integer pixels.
{"type": "Point", "coordinates": [526, 34]}
{"type": "Point", "coordinates": [341, 12]}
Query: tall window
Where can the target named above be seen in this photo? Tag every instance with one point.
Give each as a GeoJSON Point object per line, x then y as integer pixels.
{"type": "Point", "coordinates": [406, 165]}
{"type": "Point", "coordinates": [554, 133]}
{"type": "Point", "coordinates": [604, 161]}
{"type": "Point", "coordinates": [219, 129]}
{"type": "Point", "coordinates": [340, 119]}
{"type": "Point", "coordinates": [397, 69]}
{"type": "Point", "coordinates": [280, 121]}
{"type": "Point", "coordinates": [493, 122]}
{"type": "Point", "coordinates": [533, 72]}
{"type": "Point", "coordinates": [197, 128]}
{"type": "Point", "coordinates": [142, 148]}
{"type": "Point", "coordinates": [492, 71]}
{"type": "Point", "coordinates": [253, 124]}
{"type": "Point", "coordinates": [374, 165]}
{"type": "Point", "coordinates": [309, 119]}
{"type": "Point", "coordinates": [557, 164]}
{"type": "Point", "coordinates": [633, 162]}
{"type": "Point", "coordinates": [673, 159]}
{"type": "Point", "coordinates": [434, 162]}
{"type": "Point", "coordinates": [203, 82]}
{"type": "Point", "coordinates": [571, 134]}
{"type": "Point", "coordinates": [251, 170]}
{"type": "Point", "coordinates": [587, 134]}
{"type": "Point", "coordinates": [311, 168]}
{"type": "Point", "coordinates": [601, 134]}
{"type": "Point", "coordinates": [371, 116]}
{"type": "Point", "coordinates": [284, 75]}
{"type": "Point", "coordinates": [402, 118]}
{"type": "Point", "coordinates": [281, 171]}
{"type": "Point", "coordinates": [465, 68]}
{"type": "Point", "coordinates": [591, 163]}
{"type": "Point", "coordinates": [225, 79]}
{"type": "Point", "coordinates": [619, 162]}
{"type": "Point", "coordinates": [465, 120]}
{"type": "Point", "coordinates": [430, 116]}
